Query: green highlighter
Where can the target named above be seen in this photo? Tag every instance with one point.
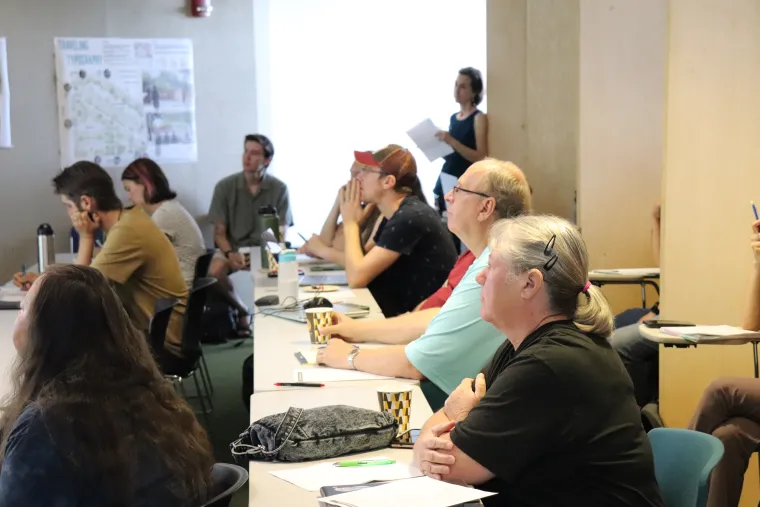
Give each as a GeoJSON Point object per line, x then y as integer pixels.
{"type": "Point", "coordinates": [365, 463]}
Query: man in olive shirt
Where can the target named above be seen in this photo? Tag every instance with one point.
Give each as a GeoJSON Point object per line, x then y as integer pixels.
{"type": "Point", "coordinates": [235, 209]}
{"type": "Point", "coordinates": [136, 255]}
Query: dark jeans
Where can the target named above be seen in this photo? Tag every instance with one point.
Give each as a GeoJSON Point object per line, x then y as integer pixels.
{"type": "Point", "coordinates": [641, 358]}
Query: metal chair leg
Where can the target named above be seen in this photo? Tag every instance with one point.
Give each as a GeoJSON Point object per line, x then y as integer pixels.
{"type": "Point", "coordinates": [205, 372]}
{"type": "Point", "coordinates": [206, 391]}
{"type": "Point", "coordinates": [204, 410]}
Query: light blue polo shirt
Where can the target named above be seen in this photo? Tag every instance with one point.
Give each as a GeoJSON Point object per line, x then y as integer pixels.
{"type": "Point", "coordinates": [457, 343]}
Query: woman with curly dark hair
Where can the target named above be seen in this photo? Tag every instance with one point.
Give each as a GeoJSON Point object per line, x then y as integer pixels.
{"type": "Point", "coordinates": [91, 421]}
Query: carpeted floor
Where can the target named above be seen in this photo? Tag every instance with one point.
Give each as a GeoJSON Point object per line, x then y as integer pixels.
{"type": "Point", "coordinates": [229, 416]}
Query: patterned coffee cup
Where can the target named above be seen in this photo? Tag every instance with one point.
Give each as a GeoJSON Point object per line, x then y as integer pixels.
{"type": "Point", "coordinates": [398, 401]}
{"type": "Point", "coordinates": [316, 319]}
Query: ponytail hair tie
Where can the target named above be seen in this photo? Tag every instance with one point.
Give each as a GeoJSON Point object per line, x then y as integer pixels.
{"type": "Point", "coordinates": [586, 287]}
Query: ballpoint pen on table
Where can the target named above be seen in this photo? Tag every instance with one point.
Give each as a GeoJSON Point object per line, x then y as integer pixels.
{"type": "Point", "coordinates": [298, 384]}
{"type": "Point", "coordinates": [364, 463]}
{"type": "Point", "coordinates": [754, 210]}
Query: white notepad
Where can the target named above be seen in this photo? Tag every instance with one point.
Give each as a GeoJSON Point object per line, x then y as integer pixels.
{"type": "Point", "coordinates": [420, 492]}
{"type": "Point", "coordinates": [325, 374]}
{"type": "Point", "coordinates": [325, 474]}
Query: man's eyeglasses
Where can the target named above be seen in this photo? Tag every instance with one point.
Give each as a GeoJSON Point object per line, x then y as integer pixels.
{"type": "Point", "coordinates": [367, 169]}
{"type": "Point", "coordinates": [458, 188]}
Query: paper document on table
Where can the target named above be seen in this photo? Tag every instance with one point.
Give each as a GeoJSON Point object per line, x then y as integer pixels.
{"type": "Point", "coordinates": [326, 474]}
{"type": "Point", "coordinates": [303, 259]}
{"type": "Point", "coordinates": [12, 294]}
{"type": "Point", "coordinates": [325, 374]}
{"type": "Point", "coordinates": [707, 332]}
{"type": "Point", "coordinates": [423, 135]}
{"type": "Point", "coordinates": [420, 492]}
{"type": "Point", "coordinates": [632, 272]}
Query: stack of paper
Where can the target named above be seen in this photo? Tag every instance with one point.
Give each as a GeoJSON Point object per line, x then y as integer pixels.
{"type": "Point", "coordinates": [420, 492]}
{"type": "Point", "coordinates": [710, 332]}
{"type": "Point", "coordinates": [326, 474]}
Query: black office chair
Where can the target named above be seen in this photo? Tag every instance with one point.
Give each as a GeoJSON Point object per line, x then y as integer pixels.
{"type": "Point", "coordinates": [189, 363]}
{"type": "Point", "coordinates": [159, 322]}
{"type": "Point", "coordinates": [202, 265]}
{"type": "Point", "coordinates": [225, 479]}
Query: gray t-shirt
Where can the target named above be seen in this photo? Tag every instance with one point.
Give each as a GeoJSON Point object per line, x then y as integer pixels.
{"type": "Point", "coordinates": [234, 206]}
{"type": "Point", "coordinates": [183, 233]}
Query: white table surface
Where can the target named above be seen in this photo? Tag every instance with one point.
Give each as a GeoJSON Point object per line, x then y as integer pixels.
{"type": "Point", "coordinates": [266, 490]}
{"type": "Point", "coordinates": [276, 340]}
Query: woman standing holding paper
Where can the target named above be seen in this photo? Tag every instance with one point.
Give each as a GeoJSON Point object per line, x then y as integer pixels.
{"type": "Point", "coordinates": [468, 129]}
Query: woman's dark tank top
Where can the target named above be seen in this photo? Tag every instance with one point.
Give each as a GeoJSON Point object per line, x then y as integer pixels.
{"type": "Point", "coordinates": [464, 132]}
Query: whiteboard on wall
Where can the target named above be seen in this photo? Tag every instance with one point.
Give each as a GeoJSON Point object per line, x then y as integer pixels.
{"type": "Point", "coordinates": [5, 97]}
{"type": "Point", "coordinates": [122, 99]}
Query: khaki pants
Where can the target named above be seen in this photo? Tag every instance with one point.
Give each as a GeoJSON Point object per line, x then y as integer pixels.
{"type": "Point", "coordinates": [730, 410]}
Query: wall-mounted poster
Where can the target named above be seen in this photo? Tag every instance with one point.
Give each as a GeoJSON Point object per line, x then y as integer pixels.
{"type": "Point", "coordinates": [5, 97]}
{"type": "Point", "coordinates": [121, 99]}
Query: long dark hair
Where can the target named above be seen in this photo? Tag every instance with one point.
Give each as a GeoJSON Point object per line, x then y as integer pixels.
{"type": "Point", "coordinates": [91, 374]}
{"type": "Point", "coordinates": [148, 173]}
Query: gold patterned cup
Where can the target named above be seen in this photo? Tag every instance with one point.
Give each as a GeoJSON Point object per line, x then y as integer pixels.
{"type": "Point", "coordinates": [316, 319]}
{"type": "Point", "coordinates": [398, 401]}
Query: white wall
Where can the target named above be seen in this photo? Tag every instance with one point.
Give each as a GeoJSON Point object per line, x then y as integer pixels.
{"type": "Point", "coordinates": [225, 81]}
{"type": "Point", "coordinates": [345, 75]}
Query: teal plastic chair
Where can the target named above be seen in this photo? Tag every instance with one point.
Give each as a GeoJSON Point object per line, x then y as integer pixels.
{"type": "Point", "coordinates": [683, 461]}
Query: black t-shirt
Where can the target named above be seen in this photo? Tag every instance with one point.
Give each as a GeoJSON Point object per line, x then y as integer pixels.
{"type": "Point", "coordinates": [559, 425]}
{"type": "Point", "coordinates": [427, 255]}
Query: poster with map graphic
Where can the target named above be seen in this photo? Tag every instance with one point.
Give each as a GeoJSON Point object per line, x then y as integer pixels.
{"type": "Point", "coordinates": [121, 99]}
{"type": "Point", "coordinates": [5, 98]}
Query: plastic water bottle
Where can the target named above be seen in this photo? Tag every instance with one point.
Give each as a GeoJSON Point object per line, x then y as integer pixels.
{"type": "Point", "coordinates": [287, 278]}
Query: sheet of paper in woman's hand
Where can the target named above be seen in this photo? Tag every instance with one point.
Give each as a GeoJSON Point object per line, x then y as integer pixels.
{"type": "Point", "coordinates": [423, 135]}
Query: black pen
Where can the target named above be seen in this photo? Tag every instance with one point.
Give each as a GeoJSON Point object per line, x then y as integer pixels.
{"type": "Point", "coordinates": [298, 384]}
{"type": "Point", "coordinates": [302, 237]}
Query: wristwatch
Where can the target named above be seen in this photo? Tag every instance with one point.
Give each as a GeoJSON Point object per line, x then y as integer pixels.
{"type": "Point", "coordinates": [351, 356]}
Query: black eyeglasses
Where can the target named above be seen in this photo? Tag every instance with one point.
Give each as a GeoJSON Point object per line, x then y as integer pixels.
{"type": "Point", "coordinates": [458, 189]}
{"type": "Point", "coordinates": [367, 169]}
